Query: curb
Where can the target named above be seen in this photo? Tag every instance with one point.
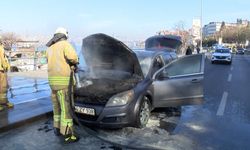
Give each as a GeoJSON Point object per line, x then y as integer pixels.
{"type": "Point", "coordinates": [25, 113]}
{"type": "Point", "coordinates": [25, 122]}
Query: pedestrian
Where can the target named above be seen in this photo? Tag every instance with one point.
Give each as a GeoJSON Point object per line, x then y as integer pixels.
{"type": "Point", "coordinates": [4, 67]}
{"type": "Point", "coordinates": [198, 50]}
{"type": "Point", "coordinates": [189, 51]}
{"type": "Point", "coordinates": [61, 57]}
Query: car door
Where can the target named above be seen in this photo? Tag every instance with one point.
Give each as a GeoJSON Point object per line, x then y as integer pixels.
{"type": "Point", "coordinates": [179, 82]}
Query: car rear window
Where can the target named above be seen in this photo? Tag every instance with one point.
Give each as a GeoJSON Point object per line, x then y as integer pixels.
{"type": "Point", "coordinates": [162, 43]}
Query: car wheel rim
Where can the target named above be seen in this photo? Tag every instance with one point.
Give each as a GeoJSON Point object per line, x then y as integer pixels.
{"type": "Point", "coordinates": [144, 113]}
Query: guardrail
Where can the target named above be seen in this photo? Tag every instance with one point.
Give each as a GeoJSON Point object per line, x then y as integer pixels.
{"type": "Point", "coordinates": [30, 88]}
{"type": "Point", "coordinates": [26, 60]}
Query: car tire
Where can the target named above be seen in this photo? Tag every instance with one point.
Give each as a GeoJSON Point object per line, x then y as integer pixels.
{"type": "Point", "coordinates": [230, 62]}
{"type": "Point", "coordinates": [143, 113]}
{"type": "Point", "coordinates": [212, 62]}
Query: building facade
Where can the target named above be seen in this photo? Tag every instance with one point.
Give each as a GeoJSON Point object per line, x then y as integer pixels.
{"type": "Point", "coordinates": [213, 27]}
{"type": "Point", "coordinates": [196, 31]}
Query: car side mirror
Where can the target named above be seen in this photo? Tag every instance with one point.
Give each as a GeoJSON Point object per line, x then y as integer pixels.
{"type": "Point", "coordinates": [162, 76]}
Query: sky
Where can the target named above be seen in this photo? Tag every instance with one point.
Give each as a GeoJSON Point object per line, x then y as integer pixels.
{"type": "Point", "coordinates": [123, 19]}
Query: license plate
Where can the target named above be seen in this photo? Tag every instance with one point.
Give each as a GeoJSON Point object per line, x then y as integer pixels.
{"type": "Point", "coordinates": [84, 110]}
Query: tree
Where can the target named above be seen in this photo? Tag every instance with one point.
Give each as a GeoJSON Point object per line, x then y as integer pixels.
{"type": "Point", "coordinates": [209, 41]}
{"type": "Point", "coordinates": [234, 34]}
{"type": "Point", "coordinates": [179, 29]}
{"type": "Point", "coordinates": [223, 26]}
{"type": "Point", "coordinates": [247, 32]}
{"type": "Point", "coordinates": [9, 39]}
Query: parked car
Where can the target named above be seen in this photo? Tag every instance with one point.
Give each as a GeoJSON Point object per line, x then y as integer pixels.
{"type": "Point", "coordinates": [247, 52]}
{"type": "Point", "coordinates": [222, 55]}
{"type": "Point", "coordinates": [122, 86]}
{"type": "Point", "coordinates": [240, 51]}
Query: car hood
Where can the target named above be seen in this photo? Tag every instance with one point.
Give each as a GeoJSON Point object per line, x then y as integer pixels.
{"type": "Point", "coordinates": [222, 54]}
{"type": "Point", "coordinates": [107, 53]}
{"type": "Point", "coordinates": [163, 41]}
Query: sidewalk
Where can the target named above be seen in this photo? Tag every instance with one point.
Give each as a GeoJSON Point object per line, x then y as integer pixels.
{"type": "Point", "coordinates": [28, 111]}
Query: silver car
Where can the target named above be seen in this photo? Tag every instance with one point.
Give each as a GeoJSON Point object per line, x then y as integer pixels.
{"type": "Point", "coordinates": [122, 86]}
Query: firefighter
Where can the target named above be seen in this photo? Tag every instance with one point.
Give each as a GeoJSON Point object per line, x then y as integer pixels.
{"type": "Point", "coordinates": [61, 58]}
{"type": "Point", "coordinates": [4, 67]}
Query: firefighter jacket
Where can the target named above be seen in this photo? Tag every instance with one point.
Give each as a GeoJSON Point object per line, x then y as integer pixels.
{"type": "Point", "coordinates": [4, 64]}
{"type": "Point", "coordinates": [60, 56]}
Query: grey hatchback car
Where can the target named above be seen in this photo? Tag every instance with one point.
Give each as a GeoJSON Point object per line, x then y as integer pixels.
{"type": "Point", "coordinates": [121, 86]}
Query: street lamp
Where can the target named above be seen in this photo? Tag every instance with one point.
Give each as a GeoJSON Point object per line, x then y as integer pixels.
{"type": "Point", "coordinates": [201, 26]}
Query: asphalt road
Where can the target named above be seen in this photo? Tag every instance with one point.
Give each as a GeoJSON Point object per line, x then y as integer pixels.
{"type": "Point", "coordinates": [222, 122]}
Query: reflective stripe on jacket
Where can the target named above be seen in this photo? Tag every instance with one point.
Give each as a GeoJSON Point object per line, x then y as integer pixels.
{"type": "Point", "coordinates": [59, 56]}
{"type": "Point", "coordinates": [4, 64]}
{"type": "Point", "coordinates": [57, 80]}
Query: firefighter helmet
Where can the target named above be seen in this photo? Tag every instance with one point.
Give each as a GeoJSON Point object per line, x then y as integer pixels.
{"type": "Point", "coordinates": [62, 31]}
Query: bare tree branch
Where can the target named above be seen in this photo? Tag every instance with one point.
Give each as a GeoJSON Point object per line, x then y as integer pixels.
{"type": "Point", "coordinates": [9, 39]}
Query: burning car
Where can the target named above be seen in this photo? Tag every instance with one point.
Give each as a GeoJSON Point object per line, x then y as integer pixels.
{"type": "Point", "coordinates": [121, 86]}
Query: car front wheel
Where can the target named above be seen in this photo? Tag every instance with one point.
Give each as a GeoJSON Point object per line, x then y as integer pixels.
{"type": "Point", "coordinates": [143, 113]}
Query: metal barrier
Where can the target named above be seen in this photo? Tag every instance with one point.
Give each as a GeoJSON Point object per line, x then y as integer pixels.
{"type": "Point", "coordinates": [31, 88]}
{"type": "Point", "coordinates": [26, 60]}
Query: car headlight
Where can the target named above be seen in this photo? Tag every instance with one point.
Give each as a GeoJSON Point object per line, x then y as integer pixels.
{"type": "Point", "coordinates": [121, 98]}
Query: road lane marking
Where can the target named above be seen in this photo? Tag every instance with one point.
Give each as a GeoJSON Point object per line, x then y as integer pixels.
{"type": "Point", "coordinates": [222, 106]}
{"type": "Point", "coordinates": [229, 78]}
{"type": "Point", "coordinates": [232, 68]}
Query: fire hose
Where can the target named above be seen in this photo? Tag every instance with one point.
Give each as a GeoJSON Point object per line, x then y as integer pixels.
{"type": "Point", "coordinates": [101, 136]}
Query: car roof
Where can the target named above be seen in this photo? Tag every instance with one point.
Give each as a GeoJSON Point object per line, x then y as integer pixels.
{"type": "Point", "coordinates": [174, 37]}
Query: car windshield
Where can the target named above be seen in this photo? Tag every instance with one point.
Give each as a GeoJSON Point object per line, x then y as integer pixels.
{"type": "Point", "coordinates": [145, 60]}
{"type": "Point", "coordinates": [222, 51]}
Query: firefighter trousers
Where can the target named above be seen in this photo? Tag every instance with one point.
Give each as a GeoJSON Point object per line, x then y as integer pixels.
{"type": "Point", "coordinates": [3, 88]}
{"type": "Point", "coordinates": [61, 115]}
